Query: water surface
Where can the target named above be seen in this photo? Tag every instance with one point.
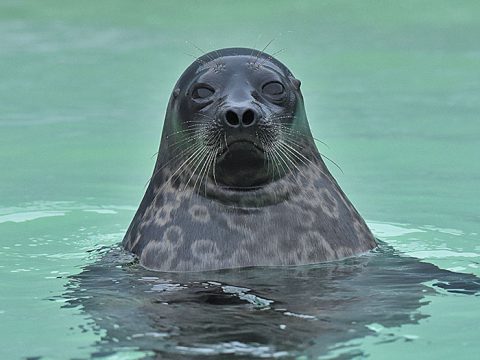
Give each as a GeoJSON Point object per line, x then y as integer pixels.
{"type": "Point", "coordinates": [391, 87]}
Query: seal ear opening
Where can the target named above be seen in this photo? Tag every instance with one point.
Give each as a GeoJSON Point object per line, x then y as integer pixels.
{"type": "Point", "coordinates": [295, 82]}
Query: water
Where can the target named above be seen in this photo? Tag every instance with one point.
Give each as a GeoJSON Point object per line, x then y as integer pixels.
{"type": "Point", "coordinates": [392, 88]}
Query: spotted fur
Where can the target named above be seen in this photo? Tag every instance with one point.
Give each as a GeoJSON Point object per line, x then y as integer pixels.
{"type": "Point", "coordinates": [300, 217]}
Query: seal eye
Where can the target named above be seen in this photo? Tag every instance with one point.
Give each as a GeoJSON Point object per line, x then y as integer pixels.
{"type": "Point", "coordinates": [202, 92]}
{"type": "Point", "coordinates": [273, 88]}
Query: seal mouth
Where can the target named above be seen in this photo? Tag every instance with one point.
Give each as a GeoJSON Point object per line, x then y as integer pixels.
{"type": "Point", "coordinates": [241, 165]}
{"type": "Point", "coordinates": [239, 146]}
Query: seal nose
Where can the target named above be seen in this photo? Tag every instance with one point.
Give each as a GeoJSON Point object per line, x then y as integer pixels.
{"type": "Point", "coordinates": [240, 117]}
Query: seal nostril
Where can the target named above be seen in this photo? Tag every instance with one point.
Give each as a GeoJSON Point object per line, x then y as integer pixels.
{"type": "Point", "coordinates": [232, 119]}
{"type": "Point", "coordinates": [248, 118]}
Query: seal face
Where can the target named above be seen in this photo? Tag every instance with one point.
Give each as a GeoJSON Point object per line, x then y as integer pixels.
{"type": "Point", "coordinates": [238, 180]}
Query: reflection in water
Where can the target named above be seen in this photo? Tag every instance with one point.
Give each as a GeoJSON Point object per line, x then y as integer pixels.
{"type": "Point", "coordinates": [256, 312]}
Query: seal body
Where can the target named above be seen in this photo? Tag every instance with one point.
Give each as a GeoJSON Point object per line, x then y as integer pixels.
{"type": "Point", "coordinates": [238, 180]}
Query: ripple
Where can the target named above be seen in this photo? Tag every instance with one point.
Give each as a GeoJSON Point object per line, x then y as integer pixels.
{"type": "Point", "coordinates": [234, 347]}
{"type": "Point", "coordinates": [242, 294]}
{"type": "Point", "coordinates": [441, 254]}
{"type": "Point", "coordinates": [301, 316]}
{"type": "Point", "coordinates": [101, 211]}
{"type": "Point", "coordinates": [28, 216]}
{"type": "Point", "coordinates": [391, 229]}
{"type": "Point", "coordinates": [396, 229]}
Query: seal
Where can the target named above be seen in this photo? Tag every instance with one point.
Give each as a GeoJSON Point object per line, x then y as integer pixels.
{"type": "Point", "coordinates": [238, 179]}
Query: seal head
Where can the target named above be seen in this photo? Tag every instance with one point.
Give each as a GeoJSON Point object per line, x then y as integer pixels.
{"type": "Point", "coordinates": [238, 179]}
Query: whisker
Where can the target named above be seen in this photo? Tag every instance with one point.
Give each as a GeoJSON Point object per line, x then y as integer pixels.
{"type": "Point", "coordinates": [198, 161]}
{"type": "Point", "coordinates": [203, 52]}
{"type": "Point", "coordinates": [305, 160]}
{"type": "Point", "coordinates": [207, 171]}
{"type": "Point", "coordinates": [271, 56]}
{"type": "Point", "coordinates": [323, 155]}
{"type": "Point", "coordinates": [190, 148]}
{"type": "Point", "coordinates": [263, 50]}
{"type": "Point", "coordinates": [283, 126]}
{"type": "Point", "coordinates": [296, 132]}
{"type": "Point", "coordinates": [283, 160]}
{"type": "Point", "coordinates": [204, 162]}
{"type": "Point", "coordinates": [197, 60]}
{"type": "Point", "coordinates": [189, 153]}
{"type": "Point", "coordinates": [206, 116]}
{"type": "Point", "coordinates": [190, 129]}
{"type": "Point", "coordinates": [255, 45]}
{"type": "Point", "coordinates": [276, 161]}
{"type": "Point", "coordinates": [289, 158]}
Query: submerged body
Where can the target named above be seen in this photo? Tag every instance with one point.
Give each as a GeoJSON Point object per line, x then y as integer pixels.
{"type": "Point", "coordinates": [254, 313]}
{"type": "Point", "coordinates": [238, 179]}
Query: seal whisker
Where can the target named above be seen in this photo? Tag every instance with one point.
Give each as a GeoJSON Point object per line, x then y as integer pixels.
{"type": "Point", "coordinates": [196, 59]}
{"type": "Point", "coordinates": [268, 137]}
{"type": "Point", "coordinates": [300, 156]}
{"type": "Point", "coordinates": [276, 161]}
{"type": "Point", "coordinates": [294, 132]}
{"type": "Point", "coordinates": [183, 167]}
{"type": "Point", "coordinates": [279, 161]}
{"type": "Point", "coordinates": [204, 115]}
{"type": "Point", "coordinates": [204, 167]}
{"type": "Point", "coordinates": [204, 163]}
{"type": "Point", "coordinates": [171, 160]}
{"type": "Point", "coordinates": [196, 130]}
{"type": "Point", "coordinates": [283, 152]}
{"type": "Point", "coordinates": [198, 120]}
{"type": "Point", "coordinates": [280, 117]}
{"type": "Point", "coordinates": [254, 48]}
{"type": "Point", "coordinates": [287, 155]}
{"type": "Point", "coordinates": [307, 163]}
{"type": "Point", "coordinates": [298, 133]}
{"type": "Point", "coordinates": [323, 155]}
{"type": "Point", "coordinates": [207, 171]}
{"type": "Point", "coordinates": [183, 142]}
{"type": "Point", "coordinates": [214, 169]}
{"type": "Point", "coordinates": [226, 142]}
{"type": "Point", "coordinates": [263, 50]}
{"type": "Point", "coordinates": [281, 158]}
{"type": "Point", "coordinates": [195, 153]}
{"type": "Point", "coordinates": [193, 129]}
{"type": "Point", "coordinates": [198, 162]}
{"type": "Point", "coordinates": [260, 137]}
{"type": "Point", "coordinates": [211, 142]}
{"type": "Point", "coordinates": [270, 57]}
{"type": "Point", "coordinates": [266, 146]}
{"type": "Point", "coordinates": [193, 149]}
{"type": "Point", "coordinates": [192, 133]}
{"type": "Point", "coordinates": [203, 52]}
{"type": "Point", "coordinates": [292, 162]}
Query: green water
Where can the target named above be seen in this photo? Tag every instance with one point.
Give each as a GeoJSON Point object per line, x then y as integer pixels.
{"type": "Point", "coordinates": [392, 87]}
